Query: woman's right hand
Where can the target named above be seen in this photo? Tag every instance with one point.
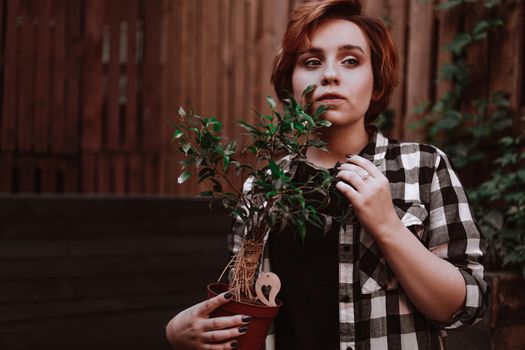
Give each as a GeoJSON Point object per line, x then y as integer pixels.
{"type": "Point", "coordinates": [194, 329]}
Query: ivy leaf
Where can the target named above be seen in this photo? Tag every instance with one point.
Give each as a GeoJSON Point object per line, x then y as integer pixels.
{"type": "Point", "coordinates": [184, 177]}
{"type": "Point", "coordinates": [459, 43]}
{"type": "Point", "coordinates": [449, 4]}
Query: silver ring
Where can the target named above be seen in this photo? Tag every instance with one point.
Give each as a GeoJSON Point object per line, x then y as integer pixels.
{"type": "Point", "coordinates": [365, 176]}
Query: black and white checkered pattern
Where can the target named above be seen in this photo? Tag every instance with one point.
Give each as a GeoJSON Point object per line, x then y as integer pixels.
{"type": "Point", "coordinates": [374, 311]}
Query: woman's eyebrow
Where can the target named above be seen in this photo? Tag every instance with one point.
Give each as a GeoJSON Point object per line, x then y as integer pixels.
{"type": "Point", "coordinates": [351, 47]}
{"type": "Point", "coordinates": [317, 50]}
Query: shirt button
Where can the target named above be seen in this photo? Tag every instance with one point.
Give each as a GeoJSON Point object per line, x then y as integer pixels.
{"type": "Point", "coordinates": [345, 299]}
{"type": "Point", "coordinates": [346, 248]}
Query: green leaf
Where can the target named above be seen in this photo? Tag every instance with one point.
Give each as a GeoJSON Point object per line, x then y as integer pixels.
{"type": "Point", "coordinates": [185, 148]}
{"type": "Point", "coordinates": [184, 176]}
{"type": "Point", "coordinates": [449, 4]}
{"type": "Point", "coordinates": [271, 102]}
{"type": "Point", "coordinates": [176, 134]}
{"type": "Point", "coordinates": [459, 43]}
{"type": "Point", "coordinates": [206, 194]}
{"type": "Point", "coordinates": [309, 89]}
{"type": "Point", "coordinates": [182, 112]}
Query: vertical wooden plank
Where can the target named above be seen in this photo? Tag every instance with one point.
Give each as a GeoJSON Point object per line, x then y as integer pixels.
{"type": "Point", "coordinates": [150, 162]}
{"type": "Point", "coordinates": [237, 100]}
{"type": "Point", "coordinates": [11, 61]}
{"type": "Point", "coordinates": [27, 168]}
{"type": "Point", "coordinates": [449, 28]}
{"type": "Point", "coordinates": [250, 37]}
{"type": "Point", "coordinates": [58, 33]}
{"type": "Point", "coordinates": [167, 26]}
{"type": "Point", "coordinates": [27, 64]}
{"type": "Point", "coordinates": [113, 132]}
{"type": "Point", "coordinates": [152, 77]}
{"type": "Point", "coordinates": [209, 59]}
{"type": "Point", "coordinates": [419, 58]}
{"type": "Point", "coordinates": [71, 179]}
{"type": "Point", "coordinates": [131, 77]}
{"type": "Point", "coordinates": [88, 173]}
{"type": "Point", "coordinates": [135, 173]}
{"type": "Point", "coordinates": [119, 174]}
{"type": "Point", "coordinates": [198, 47]}
{"type": "Point", "coordinates": [6, 171]}
{"type": "Point", "coordinates": [73, 73]}
{"type": "Point", "coordinates": [399, 32]}
{"type": "Point", "coordinates": [42, 80]}
{"type": "Point", "coordinates": [48, 169]}
{"type": "Point", "coordinates": [374, 8]}
{"type": "Point", "coordinates": [226, 61]}
{"type": "Point", "coordinates": [104, 178]}
{"type": "Point", "coordinates": [507, 57]}
{"type": "Point", "coordinates": [92, 85]}
{"type": "Point", "coordinates": [477, 59]}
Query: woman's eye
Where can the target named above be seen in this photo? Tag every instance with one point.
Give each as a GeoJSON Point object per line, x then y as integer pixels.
{"type": "Point", "coordinates": [351, 61]}
{"type": "Point", "coordinates": [312, 62]}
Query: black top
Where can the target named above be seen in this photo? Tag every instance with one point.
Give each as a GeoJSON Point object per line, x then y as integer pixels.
{"type": "Point", "coordinates": [309, 316]}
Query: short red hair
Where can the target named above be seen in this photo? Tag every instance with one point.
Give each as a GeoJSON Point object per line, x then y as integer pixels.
{"type": "Point", "coordinates": [302, 23]}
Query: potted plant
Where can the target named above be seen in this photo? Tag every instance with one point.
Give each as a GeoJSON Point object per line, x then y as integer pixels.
{"type": "Point", "coordinates": [276, 197]}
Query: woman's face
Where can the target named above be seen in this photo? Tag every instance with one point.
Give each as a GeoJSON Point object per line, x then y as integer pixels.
{"type": "Point", "coordinates": [338, 62]}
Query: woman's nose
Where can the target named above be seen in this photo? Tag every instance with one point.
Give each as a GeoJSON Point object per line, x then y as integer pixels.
{"type": "Point", "coordinates": [329, 77]}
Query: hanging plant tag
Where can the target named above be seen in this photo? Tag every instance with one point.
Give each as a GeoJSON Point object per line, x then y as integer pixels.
{"type": "Point", "coordinates": [266, 287]}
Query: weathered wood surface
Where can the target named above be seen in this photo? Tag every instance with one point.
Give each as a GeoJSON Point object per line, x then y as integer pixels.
{"type": "Point", "coordinates": [103, 272]}
{"type": "Point", "coordinates": [88, 86]}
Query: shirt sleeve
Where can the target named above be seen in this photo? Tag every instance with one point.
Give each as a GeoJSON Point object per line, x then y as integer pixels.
{"type": "Point", "coordinates": [454, 236]}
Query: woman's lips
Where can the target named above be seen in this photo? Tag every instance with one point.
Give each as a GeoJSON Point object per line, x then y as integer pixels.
{"type": "Point", "coordinates": [332, 99]}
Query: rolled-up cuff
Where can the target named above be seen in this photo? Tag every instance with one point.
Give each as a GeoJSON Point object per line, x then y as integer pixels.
{"type": "Point", "coordinates": [473, 309]}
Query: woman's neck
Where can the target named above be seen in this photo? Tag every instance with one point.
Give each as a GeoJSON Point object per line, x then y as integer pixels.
{"type": "Point", "coordinates": [340, 141]}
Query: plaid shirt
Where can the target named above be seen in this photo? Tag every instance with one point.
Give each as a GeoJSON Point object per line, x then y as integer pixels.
{"type": "Point", "coordinates": [374, 311]}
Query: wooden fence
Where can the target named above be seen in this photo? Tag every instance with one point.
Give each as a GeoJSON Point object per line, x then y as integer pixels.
{"type": "Point", "coordinates": [88, 86]}
{"type": "Point", "coordinates": [103, 272]}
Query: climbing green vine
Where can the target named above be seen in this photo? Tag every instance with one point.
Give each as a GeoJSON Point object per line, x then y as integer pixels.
{"type": "Point", "coordinates": [479, 137]}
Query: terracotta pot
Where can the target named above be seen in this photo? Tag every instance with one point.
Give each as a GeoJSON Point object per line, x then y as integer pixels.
{"type": "Point", "coordinates": [262, 317]}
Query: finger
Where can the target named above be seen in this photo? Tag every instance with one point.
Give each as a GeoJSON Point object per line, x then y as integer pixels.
{"type": "Point", "coordinates": [224, 322]}
{"type": "Point", "coordinates": [222, 346]}
{"type": "Point", "coordinates": [357, 169]}
{"type": "Point", "coordinates": [207, 307]}
{"type": "Point", "coordinates": [222, 335]}
{"type": "Point", "coordinates": [352, 178]}
{"type": "Point", "coordinates": [347, 190]}
{"type": "Point", "coordinates": [365, 164]}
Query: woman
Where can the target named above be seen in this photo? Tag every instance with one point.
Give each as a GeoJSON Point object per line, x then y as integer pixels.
{"type": "Point", "coordinates": [405, 266]}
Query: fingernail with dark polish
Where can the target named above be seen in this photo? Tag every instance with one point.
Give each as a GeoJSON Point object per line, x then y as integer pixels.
{"type": "Point", "coordinates": [348, 156]}
{"type": "Point", "coordinates": [246, 319]}
{"type": "Point", "coordinates": [228, 295]}
{"type": "Point", "coordinates": [234, 344]}
{"type": "Point", "coordinates": [243, 329]}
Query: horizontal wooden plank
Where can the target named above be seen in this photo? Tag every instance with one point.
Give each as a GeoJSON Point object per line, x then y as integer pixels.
{"type": "Point", "coordinates": [135, 330]}
{"type": "Point", "coordinates": [104, 286]}
{"type": "Point", "coordinates": [81, 306]}
{"type": "Point", "coordinates": [91, 266]}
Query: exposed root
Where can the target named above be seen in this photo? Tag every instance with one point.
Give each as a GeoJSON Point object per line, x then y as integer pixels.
{"type": "Point", "coordinates": [245, 270]}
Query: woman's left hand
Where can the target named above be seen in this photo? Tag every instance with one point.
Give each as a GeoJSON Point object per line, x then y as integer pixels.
{"type": "Point", "coordinates": [369, 192]}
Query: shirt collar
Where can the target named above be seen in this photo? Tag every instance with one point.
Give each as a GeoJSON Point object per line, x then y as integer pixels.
{"type": "Point", "coordinates": [376, 148]}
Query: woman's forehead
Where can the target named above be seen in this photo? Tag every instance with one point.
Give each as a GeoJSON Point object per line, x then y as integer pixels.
{"type": "Point", "coordinates": [336, 34]}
